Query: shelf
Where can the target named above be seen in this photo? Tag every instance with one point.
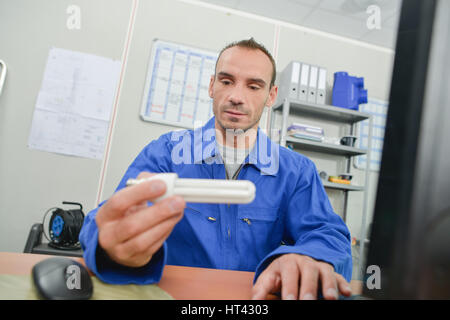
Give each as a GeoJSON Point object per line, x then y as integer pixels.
{"type": "Point", "coordinates": [341, 186]}
{"type": "Point", "coordinates": [366, 242]}
{"type": "Point", "coordinates": [335, 115]}
{"type": "Point", "coordinates": [325, 147]}
{"type": "Point", "coordinates": [324, 111]}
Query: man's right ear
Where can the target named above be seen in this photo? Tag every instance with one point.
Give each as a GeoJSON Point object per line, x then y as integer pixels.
{"type": "Point", "coordinates": [211, 84]}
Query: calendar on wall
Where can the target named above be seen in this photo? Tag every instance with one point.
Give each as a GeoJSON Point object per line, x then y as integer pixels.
{"type": "Point", "coordinates": [176, 89]}
{"type": "Point", "coordinates": [378, 110]}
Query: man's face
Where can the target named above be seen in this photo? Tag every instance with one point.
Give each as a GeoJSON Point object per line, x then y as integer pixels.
{"type": "Point", "coordinates": [241, 88]}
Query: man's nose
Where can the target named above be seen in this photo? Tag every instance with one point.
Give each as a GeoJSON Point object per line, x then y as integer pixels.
{"type": "Point", "coordinates": [236, 96]}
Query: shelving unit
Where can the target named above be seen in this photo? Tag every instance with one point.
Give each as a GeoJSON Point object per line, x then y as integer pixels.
{"type": "Point", "coordinates": [339, 115]}
{"type": "Point", "coordinates": [325, 147]}
{"type": "Point", "coordinates": [325, 111]}
{"type": "Point", "coordinates": [340, 186]}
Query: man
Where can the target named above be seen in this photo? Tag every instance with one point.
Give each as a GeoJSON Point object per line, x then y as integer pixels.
{"type": "Point", "coordinates": [289, 234]}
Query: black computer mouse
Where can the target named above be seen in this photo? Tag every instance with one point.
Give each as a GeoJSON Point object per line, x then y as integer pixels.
{"type": "Point", "coordinates": [62, 279]}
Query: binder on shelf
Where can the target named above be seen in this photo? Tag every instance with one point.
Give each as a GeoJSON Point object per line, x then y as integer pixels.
{"type": "Point", "coordinates": [289, 80]}
{"type": "Point", "coordinates": [321, 86]}
{"type": "Point", "coordinates": [312, 85]}
{"type": "Point", "coordinates": [303, 83]}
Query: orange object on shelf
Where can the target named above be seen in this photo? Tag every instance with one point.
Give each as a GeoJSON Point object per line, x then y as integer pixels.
{"type": "Point", "coordinates": [338, 180]}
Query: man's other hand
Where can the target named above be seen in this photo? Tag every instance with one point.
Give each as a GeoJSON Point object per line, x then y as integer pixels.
{"type": "Point", "coordinates": [299, 277]}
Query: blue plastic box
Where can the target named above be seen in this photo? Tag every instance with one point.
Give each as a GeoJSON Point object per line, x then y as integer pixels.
{"type": "Point", "coordinates": [348, 91]}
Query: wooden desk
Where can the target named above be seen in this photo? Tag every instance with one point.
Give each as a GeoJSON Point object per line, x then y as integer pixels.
{"type": "Point", "coordinates": [180, 282]}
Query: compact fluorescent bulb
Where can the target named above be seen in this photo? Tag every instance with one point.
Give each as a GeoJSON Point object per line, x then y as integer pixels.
{"type": "Point", "coordinates": [203, 190]}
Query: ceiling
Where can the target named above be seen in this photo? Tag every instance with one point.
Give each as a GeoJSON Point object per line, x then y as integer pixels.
{"type": "Point", "coordinates": [347, 18]}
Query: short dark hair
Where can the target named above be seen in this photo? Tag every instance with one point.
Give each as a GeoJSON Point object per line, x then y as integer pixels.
{"type": "Point", "coordinates": [253, 45]}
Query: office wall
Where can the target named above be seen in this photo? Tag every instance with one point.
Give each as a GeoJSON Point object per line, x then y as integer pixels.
{"type": "Point", "coordinates": [33, 181]}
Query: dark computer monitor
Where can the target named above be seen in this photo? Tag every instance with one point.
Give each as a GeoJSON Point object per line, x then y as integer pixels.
{"type": "Point", "coordinates": [410, 234]}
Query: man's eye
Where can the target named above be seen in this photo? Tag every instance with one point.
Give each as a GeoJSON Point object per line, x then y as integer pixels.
{"type": "Point", "coordinates": [226, 82]}
{"type": "Point", "coordinates": [254, 87]}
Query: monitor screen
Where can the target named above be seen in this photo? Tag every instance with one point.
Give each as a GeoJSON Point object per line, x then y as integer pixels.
{"type": "Point", "coordinates": [410, 234]}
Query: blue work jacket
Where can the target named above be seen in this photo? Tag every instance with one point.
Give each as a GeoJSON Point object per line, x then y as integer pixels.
{"type": "Point", "coordinates": [291, 212]}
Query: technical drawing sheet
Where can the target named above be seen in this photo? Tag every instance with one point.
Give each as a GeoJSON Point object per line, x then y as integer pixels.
{"type": "Point", "coordinates": [74, 104]}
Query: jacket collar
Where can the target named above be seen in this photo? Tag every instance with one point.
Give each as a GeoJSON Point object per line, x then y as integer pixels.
{"type": "Point", "coordinates": [265, 155]}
